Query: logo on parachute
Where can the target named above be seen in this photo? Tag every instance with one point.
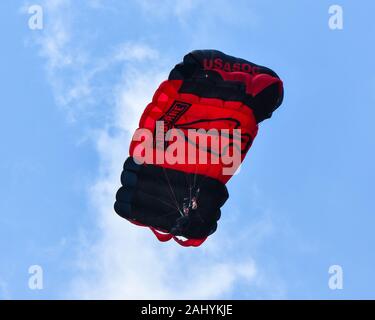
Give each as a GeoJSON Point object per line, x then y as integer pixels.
{"type": "Point", "coordinates": [173, 114]}
{"type": "Point", "coordinates": [214, 128]}
{"type": "Point", "coordinates": [218, 63]}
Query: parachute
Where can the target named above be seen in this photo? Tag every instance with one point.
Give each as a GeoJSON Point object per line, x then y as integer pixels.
{"type": "Point", "coordinates": [211, 96]}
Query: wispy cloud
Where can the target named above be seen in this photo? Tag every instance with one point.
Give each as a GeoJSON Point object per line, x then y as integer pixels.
{"type": "Point", "coordinates": [123, 261]}
{"type": "Point", "coordinates": [168, 8]}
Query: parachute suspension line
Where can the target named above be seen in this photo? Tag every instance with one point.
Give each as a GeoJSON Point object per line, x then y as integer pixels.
{"type": "Point", "coordinates": [195, 176]}
{"type": "Point", "coordinates": [196, 190]}
{"type": "Point", "coordinates": [189, 185]}
{"type": "Point", "coordinates": [194, 182]}
{"type": "Point", "coordinates": [164, 202]}
{"type": "Point", "coordinates": [197, 184]}
{"type": "Point", "coordinates": [169, 213]}
{"type": "Point", "coordinates": [172, 192]}
{"type": "Point", "coordinates": [171, 204]}
{"type": "Point", "coordinates": [190, 188]}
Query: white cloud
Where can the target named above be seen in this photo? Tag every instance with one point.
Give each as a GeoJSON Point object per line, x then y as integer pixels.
{"type": "Point", "coordinates": [63, 58]}
{"type": "Point", "coordinates": [201, 18]}
{"type": "Point", "coordinates": [124, 261]}
{"type": "Point", "coordinates": [166, 8]}
{"type": "Point", "coordinates": [134, 52]}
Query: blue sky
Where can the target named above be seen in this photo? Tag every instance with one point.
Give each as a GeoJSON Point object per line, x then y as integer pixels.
{"type": "Point", "coordinates": [72, 93]}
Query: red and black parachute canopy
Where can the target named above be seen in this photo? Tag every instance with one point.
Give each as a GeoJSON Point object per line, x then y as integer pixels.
{"type": "Point", "coordinates": [208, 90]}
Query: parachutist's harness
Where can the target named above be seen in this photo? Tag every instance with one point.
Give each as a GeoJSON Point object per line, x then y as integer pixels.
{"type": "Point", "coordinates": [189, 207]}
{"type": "Point", "coordinates": [190, 203]}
